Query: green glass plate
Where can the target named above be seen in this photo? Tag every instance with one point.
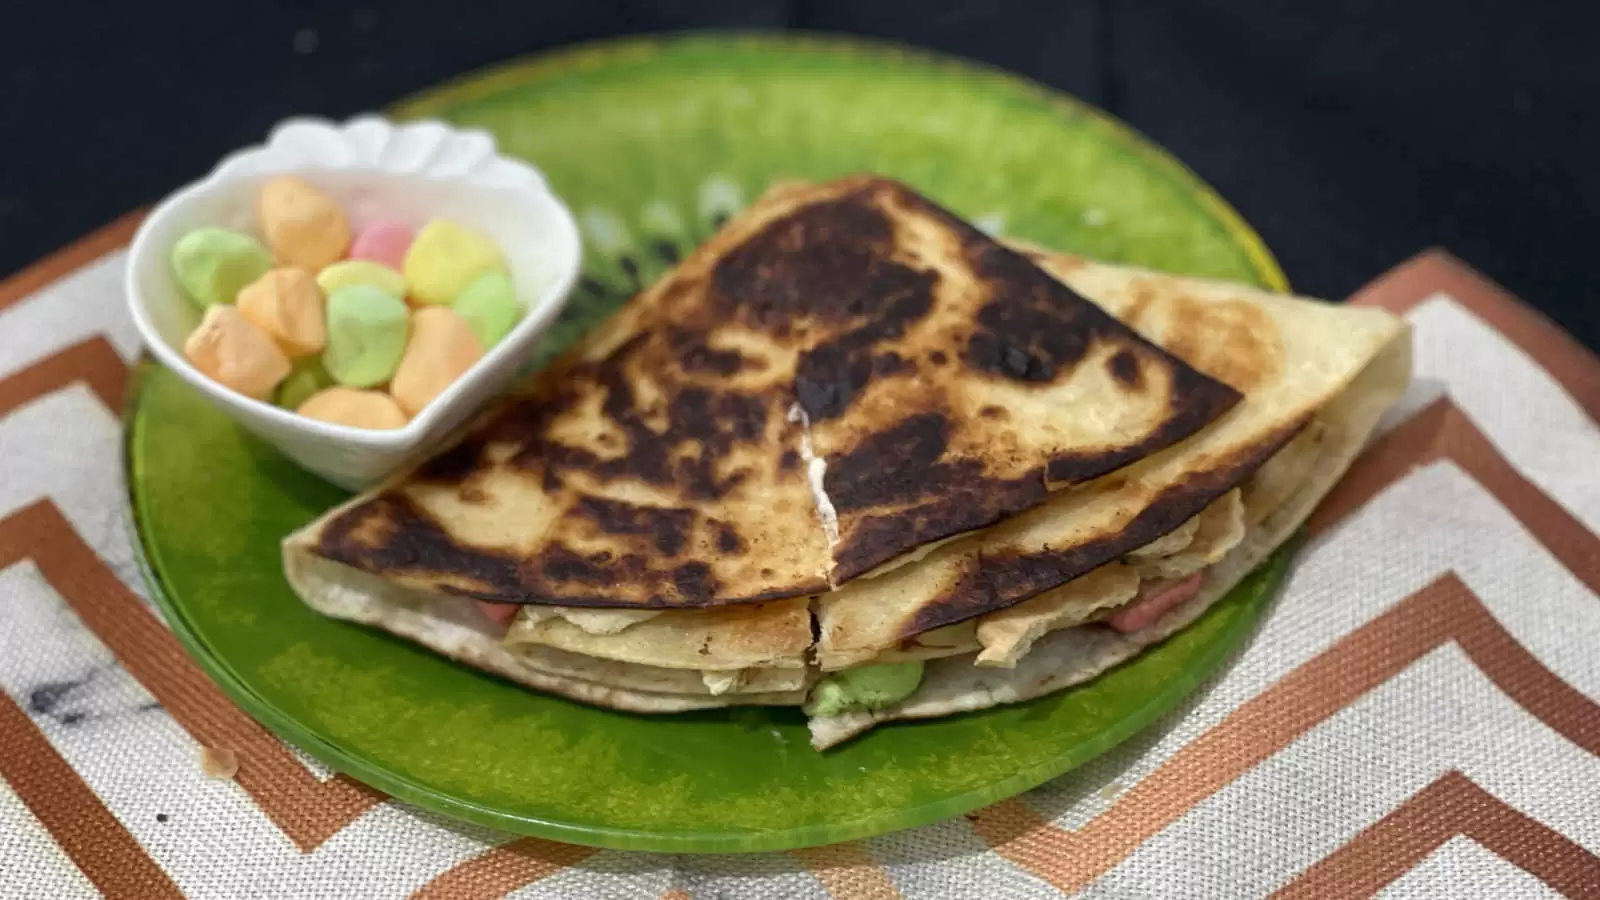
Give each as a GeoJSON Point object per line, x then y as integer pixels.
{"type": "Point", "coordinates": [653, 143]}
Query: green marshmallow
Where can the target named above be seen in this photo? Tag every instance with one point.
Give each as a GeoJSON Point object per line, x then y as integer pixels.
{"type": "Point", "coordinates": [867, 687]}
{"type": "Point", "coordinates": [489, 304]}
{"type": "Point", "coordinates": [361, 271]}
{"type": "Point", "coordinates": [308, 376]}
{"type": "Point", "coordinates": [366, 335]}
{"type": "Point", "coordinates": [213, 264]}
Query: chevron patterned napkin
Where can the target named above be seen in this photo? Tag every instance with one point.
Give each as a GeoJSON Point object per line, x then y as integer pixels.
{"type": "Point", "coordinates": [1418, 715]}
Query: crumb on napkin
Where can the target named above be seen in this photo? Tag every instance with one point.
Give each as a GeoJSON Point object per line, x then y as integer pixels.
{"type": "Point", "coordinates": [220, 764]}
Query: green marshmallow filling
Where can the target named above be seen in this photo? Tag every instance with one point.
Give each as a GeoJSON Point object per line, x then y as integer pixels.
{"type": "Point", "coordinates": [867, 687]}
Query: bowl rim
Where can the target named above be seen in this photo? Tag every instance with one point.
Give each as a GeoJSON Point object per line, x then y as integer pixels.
{"type": "Point", "coordinates": [538, 318]}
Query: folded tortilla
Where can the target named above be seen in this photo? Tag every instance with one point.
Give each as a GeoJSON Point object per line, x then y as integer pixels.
{"type": "Point", "coordinates": [1288, 356]}
{"type": "Point", "coordinates": [1313, 378]}
{"type": "Point", "coordinates": [1278, 497]}
{"type": "Point", "coordinates": [844, 374]}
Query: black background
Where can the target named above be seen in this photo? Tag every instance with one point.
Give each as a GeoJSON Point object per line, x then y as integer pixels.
{"type": "Point", "coordinates": [1350, 133]}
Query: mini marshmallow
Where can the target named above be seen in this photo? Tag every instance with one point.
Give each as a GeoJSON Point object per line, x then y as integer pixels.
{"type": "Point", "coordinates": [213, 264]}
{"type": "Point", "coordinates": [361, 271]}
{"type": "Point", "coordinates": [358, 409]}
{"type": "Point", "coordinates": [366, 335]}
{"type": "Point", "coordinates": [383, 242]}
{"type": "Point", "coordinates": [441, 348]}
{"type": "Point", "coordinates": [444, 259]}
{"type": "Point", "coordinates": [489, 304]}
{"type": "Point", "coordinates": [287, 304]}
{"type": "Point", "coordinates": [308, 376]}
{"type": "Point", "coordinates": [303, 226]}
{"type": "Point", "coordinates": [232, 351]}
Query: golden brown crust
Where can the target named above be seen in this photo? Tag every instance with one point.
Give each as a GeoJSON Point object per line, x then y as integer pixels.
{"type": "Point", "coordinates": [947, 382]}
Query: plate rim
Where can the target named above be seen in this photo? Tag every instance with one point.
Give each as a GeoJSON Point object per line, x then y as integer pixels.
{"type": "Point", "coordinates": [573, 57]}
{"type": "Point", "coordinates": [285, 727]}
{"type": "Point", "coordinates": [486, 80]}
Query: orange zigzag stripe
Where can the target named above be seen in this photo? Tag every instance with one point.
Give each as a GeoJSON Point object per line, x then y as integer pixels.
{"type": "Point", "coordinates": [1444, 611]}
{"type": "Point", "coordinates": [1569, 362]}
{"type": "Point", "coordinates": [100, 845]}
{"type": "Point", "coordinates": [501, 870]}
{"type": "Point", "coordinates": [846, 872]}
{"type": "Point", "coordinates": [1443, 432]}
{"type": "Point", "coordinates": [74, 256]}
{"type": "Point", "coordinates": [92, 361]}
{"type": "Point", "coordinates": [1395, 291]}
{"type": "Point", "coordinates": [306, 810]}
{"type": "Point", "coordinates": [1452, 805]}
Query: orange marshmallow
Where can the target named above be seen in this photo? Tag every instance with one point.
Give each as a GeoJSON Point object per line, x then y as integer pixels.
{"type": "Point", "coordinates": [232, 351]}
{"type": "Point", "coordinates": [441, 348]}
{"type": "Point", "coordinates": [356, 408]}
{"type": "Point", "coordinates": [303, 226]}
{"type": "Point", "coordinates": [287, 304]}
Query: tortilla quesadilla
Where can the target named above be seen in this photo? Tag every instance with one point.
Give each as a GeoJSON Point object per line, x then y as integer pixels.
{"type": "Point", "coordinates": [1025, 602]}
{"type": "Point", "coordinates": [1287, 356]}
{"type": "Point", "coordinates": [843, 374]}
{"type": "Point", "coordinates": [1278, 498]}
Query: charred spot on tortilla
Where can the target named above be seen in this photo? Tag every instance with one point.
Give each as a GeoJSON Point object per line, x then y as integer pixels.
{"type": "Point", "coordinates": [667, 528]}
{"type": "Point", "coordinates": [694, 582]}
{"type": "Point", "coordinates": [997, 580]}
{"type": "Point", "coordinates": [706, 426]}
{"type": "Point", "coordinates": [830, 375]}
{"type": "Point", "coordinates": [561, 570]}
{"type": "Point", "coordinates": [695, 355]}
{"type": "Point", "coordinates": [561, 564]}
{"type": "Point", "coordinates": [889, 465]}
{"type": "Point", "coordinates": [925, 496]}
{"type": "Point", "coordinates": [454, 465]}
{"type": "Point", "coordinates": [1124, 367]}
{"type": "Point", "coordinates": [390, 534]}
{"type": "Point", "coordinates": [727, 540]}
{"type": "Point", "coordinates": [828, 261]}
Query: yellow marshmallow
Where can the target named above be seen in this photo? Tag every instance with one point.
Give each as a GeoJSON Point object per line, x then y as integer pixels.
{"type": "Point", "coordinates": [442, 346]}
{"type": "Point", "coordinates": [361, 271]}
{"type": "Point", "coordinates": [232, 351]}
{"type": "Point", "coordinates": [445, 258]}
{"type": "Point", "coordinates": [358, 409]}
{"type": "Point", "coordinates": [303, 226]}
{"type": "Point", "coordinates": [286, 304]}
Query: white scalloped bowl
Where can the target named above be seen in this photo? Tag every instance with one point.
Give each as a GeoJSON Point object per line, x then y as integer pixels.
{"type": "Point", "coordinates": [375, 170]}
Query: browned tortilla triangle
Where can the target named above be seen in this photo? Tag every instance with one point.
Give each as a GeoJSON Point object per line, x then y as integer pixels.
{"type": "Point", "coordinates": [1290, 357]}
{"type": "Point", "coordinates": [851, 333]}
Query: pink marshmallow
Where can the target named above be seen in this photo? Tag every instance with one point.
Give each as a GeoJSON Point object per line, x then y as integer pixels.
{"type": "Point", "coordinates": [383, 242]}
